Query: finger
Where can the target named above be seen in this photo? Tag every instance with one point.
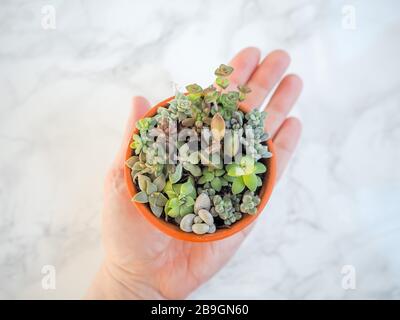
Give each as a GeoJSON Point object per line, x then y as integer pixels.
{"type": "Point", "coordinates": [285, 143]}
{"type": "Point", "coordinates": [139, 107]}
{"type": "Point", "coordinates": [266, 75]}
{"type": "Point", "coordinates": [282, 101]}
{"type": "Point", "coordinates": [244, 64]}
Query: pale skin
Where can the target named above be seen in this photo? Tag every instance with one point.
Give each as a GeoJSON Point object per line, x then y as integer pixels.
{"type": "Point", "coordinates": [143, 263]}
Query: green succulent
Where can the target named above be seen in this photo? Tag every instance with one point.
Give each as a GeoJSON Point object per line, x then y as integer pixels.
{"type": "Point", "coordinates": [255, 135]}
{"type": "Point", "coordinates": [235, 122]}
{"type": "Point", "coordinates": [145, 124]}
{"type": "Point", "coordinates": [181, 106]}
{"type": "Point", "coordinates": [253, 146]}
{"type": "Point", "coordinates": [137, 143]}
{"type": "Point", "coordinates": [214, 177]}
{"type": "Point", "coordinates": [227, 104]}
{"type": "Point", "coordinates": [190, 160]}
{"type": "Point", "coordinates": [255, 121]}
{"type": "Point", "coordinates": [244, 174]}
{"type": "Point", "coordinates": [181, 198]}
{"type": "Point", "coordinates": [211, 94]}
{"type": "Point", "coordinates": [222, 72]}
{"type": "Point", "coordinates": [151, 192]}
{"type": "Point", "coordinates": [207, 189]}
{"type": "Point", "coordinates": [249, 203]}
{"type": "Point", "coordinates": [139, 165]}
{"type": "Point", "coordinates": [243, 91]}
{"type": "Point", "coordinates": [176, 175]}
{"type": "Point", "coordinates": [195, 92]}
{"type": "Point", "coordinates": [225, 209]}
{"type": "Point", "coordinates": [255, 118]}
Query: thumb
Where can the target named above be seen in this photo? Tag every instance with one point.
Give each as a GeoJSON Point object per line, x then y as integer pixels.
{"type": "Point", "coordinates": [140, 106]}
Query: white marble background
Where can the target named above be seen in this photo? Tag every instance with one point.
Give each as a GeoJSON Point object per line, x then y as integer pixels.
{"type": "Point", "coordinates": [64, 99]}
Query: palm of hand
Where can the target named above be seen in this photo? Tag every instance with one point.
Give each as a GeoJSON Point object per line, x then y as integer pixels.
{"type": "Point", "coordinates": [136, 252]}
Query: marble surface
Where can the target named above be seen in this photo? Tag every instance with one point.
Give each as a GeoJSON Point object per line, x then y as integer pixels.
{"type": "Point", "coordinates": [65, 94]}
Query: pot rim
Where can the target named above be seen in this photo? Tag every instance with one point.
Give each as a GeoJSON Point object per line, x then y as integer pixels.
{"type": "Point", "coordinates": [173, 230]}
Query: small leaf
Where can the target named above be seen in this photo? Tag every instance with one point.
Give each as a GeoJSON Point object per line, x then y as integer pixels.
{"type": "Point", "coordinates": [184, 210]}
{"type": "Point", "coordinates": [193, 169]}
{"type": "Point", "coordinates": [228, 178]}
{"type": "Point", "coordinates": [152, 199]}
{"type": "Point", "coordinates": [150, 188]}
{"type": "Point", "coordinates": [208, 176]}
{"type": "Point", "coordinates": [131, 161]}
{"type": "Point", "coordinates": [194, 88]}
{"type": "Point", "coordinates": [211, 97]}
{"type": "Point", "coordinates": [173, 203]}
{"type": "Point", "coordinates": [173, 212]}
{"type": "Point", "coordinates": [238, 185]}
{"type": "Point", "coordinates": [231, 144]}
{"type": "Point", "coordinates": [194, 157]}
{"type": "Point", "coordinates": [234, 170]}
{"type": "Point", "coordinates": [187, 188]}
{"type": "Point", "coordinates": [250, 181]}
{"type": "Point", "coordinates": [260, 168]}
{"type": "Point", "coordinates": [160, 182]}
{"type": "Point", "coordinates": [222, 82]}
{"type": "Point", "coordinates": [219, 172]}
{"type": "Point", "coordinates": [141, 197]}
{"type": "Point", "coordinates": [183, 150]}
{"type": "Point", "coordinates": [189, 201]}
{"type": "Point", "coordinates": [247, 163]}
{"type": "Point", "coordinates": [202, 180]}
{"type": "Point", "coordinates": [177, 175]}
{"type": "Point", "coordinates": [168, 189]}
{"type": "Point", "coordinates": [218, 127]}
{"type": "Point", "coordinates": [244, 89]}
{"type": "Point", "coordinates": [177, 187]}
{"type": "Point", "coordinates": [160, 199]}
{"type": "Point", "coordinates": [157, 210]}
{"type": "Point", "coordinates": [142, 181]}
{"type": "Point", "coordinates": [216, 184]}
{"type": "Point", "coordinates": [223, 70]}
{"type": "Point", "coordinates": [259, 181]}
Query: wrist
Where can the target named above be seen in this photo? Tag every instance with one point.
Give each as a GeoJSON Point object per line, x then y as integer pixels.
{"type": "Point", "coordinates": [112, 282]}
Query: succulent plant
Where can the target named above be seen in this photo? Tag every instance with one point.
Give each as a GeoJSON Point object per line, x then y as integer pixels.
{"type": "Point", "coordinates": [243, 92]}
{"type": "Point", "coordinates": [225, 209]}
{"type": "Point", "coordinates": [145, 124]}
{"type": "Point", "coordinates": [244, 174]}
{"type": "Point", "coordinates": [214, 177]}
{"type": "Point", "coordinates": [181, 198]}
{"type": "Point", "coordinates": [255, 135]}
{"type": "Point", "coordinates": [190, 160]}
{"type": "Point", "coordinates": [138, 143]}
{"type": "Point", "coordinates": [197, 189]}
{"type": "Point", "coordinates": [201, 221]}
{"type": "Point", "coordinates": [150, 192]}
{"type": "Point", "coordinates": [235, 122]}
{"type": "Point", "coordinates": [139, 165]}
{"type": "Point", "coordinates": [195, 92]}
{"type": "Point", "coordinates": [249, 203]}
{"type": "Point", "coordinates": [229, 103]}
{"type": "Point", "coordinates": [180, 107]}
{"type": "Point", "coordinates": [207, 189]}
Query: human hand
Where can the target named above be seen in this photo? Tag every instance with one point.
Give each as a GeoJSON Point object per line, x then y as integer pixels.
{"type": "Point", "coordinates": [143, 263]}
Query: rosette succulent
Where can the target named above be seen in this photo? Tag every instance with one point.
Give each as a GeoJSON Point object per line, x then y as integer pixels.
{"type": "Point", "coordinates": [245, 174]}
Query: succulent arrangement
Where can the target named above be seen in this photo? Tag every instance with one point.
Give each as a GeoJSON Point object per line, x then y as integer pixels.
{"type": "Point", "coordinates": [198, 162]}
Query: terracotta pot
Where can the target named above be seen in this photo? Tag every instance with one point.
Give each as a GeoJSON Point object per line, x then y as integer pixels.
{"type": "Point", "coordinates": [173, 230]}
